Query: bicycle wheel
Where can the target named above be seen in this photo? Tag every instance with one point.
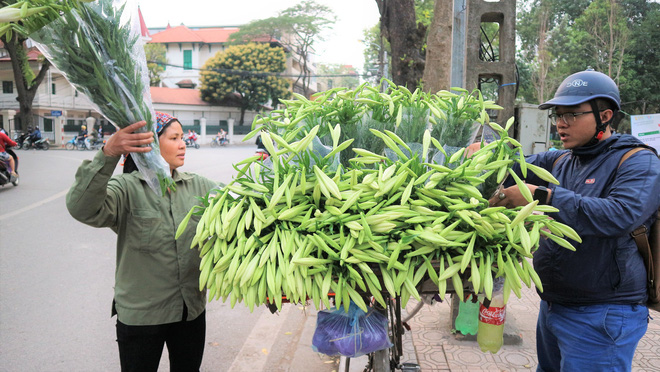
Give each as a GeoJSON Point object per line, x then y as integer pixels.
{"type": "Point", "coordinates": [386, 360]}
{"type": "Point", "coordinates": [214, 143]}
{"type": "Point", "coordinates": [381, 361]}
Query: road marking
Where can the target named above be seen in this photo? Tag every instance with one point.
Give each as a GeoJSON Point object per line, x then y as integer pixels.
{"type": "Point", "coordinates": [34, 205]}
{"type": "Point", "coordinates": [252, 356]}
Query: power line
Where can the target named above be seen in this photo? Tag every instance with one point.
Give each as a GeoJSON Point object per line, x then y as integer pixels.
{"type": "Point", "coordinates": [257, 73]}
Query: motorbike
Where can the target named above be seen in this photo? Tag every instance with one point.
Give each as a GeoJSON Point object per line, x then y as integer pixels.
{"type": "Point", "coordinates": [219, 142]}
{"type": "Point", "coordinates": [40, 144]}
{"type": "Point", "coordinates": [72, 143]}
{"type": "Point", "coordinates": [96, 144]}
{"type": "Point", "coordinates": [80, 144]}
{"type": "Point", "coordinates": [76, 143]}
{"type": "Point", "coordinates": [191, 143]}
{"type": "Point", "coordinates": [20, 138]}
{"type": "Point", "coordinates": [5, 175]}
{"type": "Point", "coordinates": [262, 154]}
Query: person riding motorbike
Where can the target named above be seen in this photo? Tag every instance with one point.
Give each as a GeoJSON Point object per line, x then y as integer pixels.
{"type": "Point", "coordinates": [94, 136]}
{"type": "Point", "coordinates": [191, 138]}
{"type": "Point", "coordinates": [261, 149]}
{"type": "Point", "coordinates": [35, 135]}
{"type": "Point", "coordinates": [5, 141]}
{"type": "Point", "coordinates": [83, 136]}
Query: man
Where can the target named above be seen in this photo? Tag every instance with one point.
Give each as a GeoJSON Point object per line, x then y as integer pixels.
{"type": "Point", "coordinates": [592, 312]}
{"type": "Point", "coordinates": [35, 135]}
{"type": "Point", "coordinates": [93, 136]}
{"type": "Point", "coordinates": [84, 137]}
{"type": "Point", "coordinates": [5, 141]}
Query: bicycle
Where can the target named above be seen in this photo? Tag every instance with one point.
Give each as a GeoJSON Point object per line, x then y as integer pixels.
{"type": "Point", "coordinates": [389, 360]}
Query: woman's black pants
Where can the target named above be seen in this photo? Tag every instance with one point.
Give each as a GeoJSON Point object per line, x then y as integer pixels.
{"type": "Point", "coordinates": [141, 347]}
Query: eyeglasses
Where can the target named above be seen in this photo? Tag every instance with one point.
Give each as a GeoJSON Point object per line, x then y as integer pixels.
{"type": "Point", "coordinates": [567, 117]}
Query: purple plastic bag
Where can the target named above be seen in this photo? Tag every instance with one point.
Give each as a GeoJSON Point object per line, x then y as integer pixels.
{"type": "Point", "coordinates": [351, 334]}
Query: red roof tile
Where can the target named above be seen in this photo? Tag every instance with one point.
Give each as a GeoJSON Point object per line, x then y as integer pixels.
{"type": "Point", "coordinates": [179, 34]}
{"type": "Point", "coordinates": [216, 35]}
{"type": "Point", "coordinates": [33, 54]}
{"type": "Point", "coordinates": [182, 34]}
{"type": "Point", "coordinates": [177, 96]}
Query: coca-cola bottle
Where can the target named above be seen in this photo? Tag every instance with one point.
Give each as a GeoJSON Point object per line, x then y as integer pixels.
{"type": "Point", "coordinates": [491, 320]}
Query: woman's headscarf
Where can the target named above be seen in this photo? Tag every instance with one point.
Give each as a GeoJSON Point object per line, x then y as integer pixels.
{"type": "Point", "coordinates": [162, 121]}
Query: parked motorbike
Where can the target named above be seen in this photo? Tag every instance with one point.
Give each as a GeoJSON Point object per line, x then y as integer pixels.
{"type": "Point", "coordinates": [219, 142]}
{"type": "Point", "coordinates": [191, 143]}
{"type": "Point", "coordinates": [5, 175]}
{"type": "Point", "coordinates": [40, 144]}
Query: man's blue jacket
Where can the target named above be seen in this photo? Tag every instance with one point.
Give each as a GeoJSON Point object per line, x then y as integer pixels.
{"type": "Point", "coordinates": [603, 204]}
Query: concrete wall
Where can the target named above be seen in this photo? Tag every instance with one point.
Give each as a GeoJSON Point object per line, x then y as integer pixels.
{"type": "Point", "coordinates": [504, 13]}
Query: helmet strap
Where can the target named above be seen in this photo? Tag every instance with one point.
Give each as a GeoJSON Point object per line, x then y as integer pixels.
{"type": "Point", "coordinates": [600, 126]}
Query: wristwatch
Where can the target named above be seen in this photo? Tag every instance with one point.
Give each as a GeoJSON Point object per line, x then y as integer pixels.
{"type": "Point", "coordinates": [541, 194]}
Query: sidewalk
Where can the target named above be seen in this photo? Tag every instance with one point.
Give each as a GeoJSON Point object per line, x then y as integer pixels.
{"type": "Point", "coordinates": [432, 345]}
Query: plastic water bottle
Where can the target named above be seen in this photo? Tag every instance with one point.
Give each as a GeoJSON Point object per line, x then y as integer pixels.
{"type": "Point", "coordinates": [491, 321]}
{"type": "Point", "coordinates": [468, 316]}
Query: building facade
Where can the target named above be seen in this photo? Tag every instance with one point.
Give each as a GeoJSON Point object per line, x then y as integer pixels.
{"type": "Point", "coordinates": [60, 110]}
{"type": "Point", "coordinates": [188, 49]}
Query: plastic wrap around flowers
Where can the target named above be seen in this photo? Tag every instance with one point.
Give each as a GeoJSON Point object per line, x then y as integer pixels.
{"type": "Point", "coordinates": [98, 49]}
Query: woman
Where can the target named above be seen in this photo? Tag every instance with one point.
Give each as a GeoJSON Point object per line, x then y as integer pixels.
{"type": "Point", "coordinates": [157, 298]}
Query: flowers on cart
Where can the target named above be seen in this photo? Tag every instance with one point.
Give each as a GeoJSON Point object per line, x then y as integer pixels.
{"type": "Point", "coordinates": [97, 48]}
{"type": "Point", "coordinates": [311, 223]}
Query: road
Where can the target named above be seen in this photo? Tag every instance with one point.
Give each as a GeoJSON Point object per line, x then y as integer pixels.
{"type": "Point", "coordinates": [57, 275]}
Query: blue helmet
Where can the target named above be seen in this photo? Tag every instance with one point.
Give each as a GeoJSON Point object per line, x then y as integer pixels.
{"type": "Point", "coordinates": [584, 86]}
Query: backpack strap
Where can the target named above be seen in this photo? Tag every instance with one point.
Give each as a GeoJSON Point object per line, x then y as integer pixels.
{"type": "Point", "coordinates": [629, 154]}
{"type": "Point", "coordinates": [559, 158]}
{"type": "Point", "coordinates": [639, 235]}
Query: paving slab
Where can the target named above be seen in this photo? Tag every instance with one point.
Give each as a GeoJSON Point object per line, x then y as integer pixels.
{"type": "Point", "coordinates": [435, 348]}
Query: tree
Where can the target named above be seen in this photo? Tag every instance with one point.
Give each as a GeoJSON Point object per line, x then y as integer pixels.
{"type": "Point", "coordinates": [601, 36]}
{"type": "Point", "coordinates": [298, 29]}
{"type": "Point", "coordinates": [620, 38]}
{"type": "Point", "coordinates": [376, 55]}
{"type": "Point", "coordinates": [407, 38]}
{"type": "Point", "coordinates": [640, 78]}
{"type": "Point", "coordinates": [543, 28]}
{"type": "Point", "coordinates": [437, 71]}
{"type": "Point", "coordinates": [249, 70]}
{"type": "Point", "coordinates": [13, 35]}
{"type": "Point", "coordinates": [156, 61]}
{"type": "Point", "coordinates": [338, 75]}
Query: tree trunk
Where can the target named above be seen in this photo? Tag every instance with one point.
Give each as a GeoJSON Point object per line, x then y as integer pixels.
{"type": "Point", "coordinates": [398, 23]}
{"type": "Point", "coordinates": [25, 90]}
{"type": "Point", "coordinates": [539, 79]}
{"type": "Point", "coordinates": [240, 122]}
{"type": "Point", "coordinates": [437, 73]}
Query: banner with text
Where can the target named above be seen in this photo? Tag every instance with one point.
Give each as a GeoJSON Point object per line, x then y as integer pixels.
{"type": "Point", "coordinates": [647, 129]}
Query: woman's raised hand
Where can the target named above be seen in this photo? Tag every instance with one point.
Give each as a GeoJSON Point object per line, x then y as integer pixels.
{"type": "Point", "coordinates": [125, 140]}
